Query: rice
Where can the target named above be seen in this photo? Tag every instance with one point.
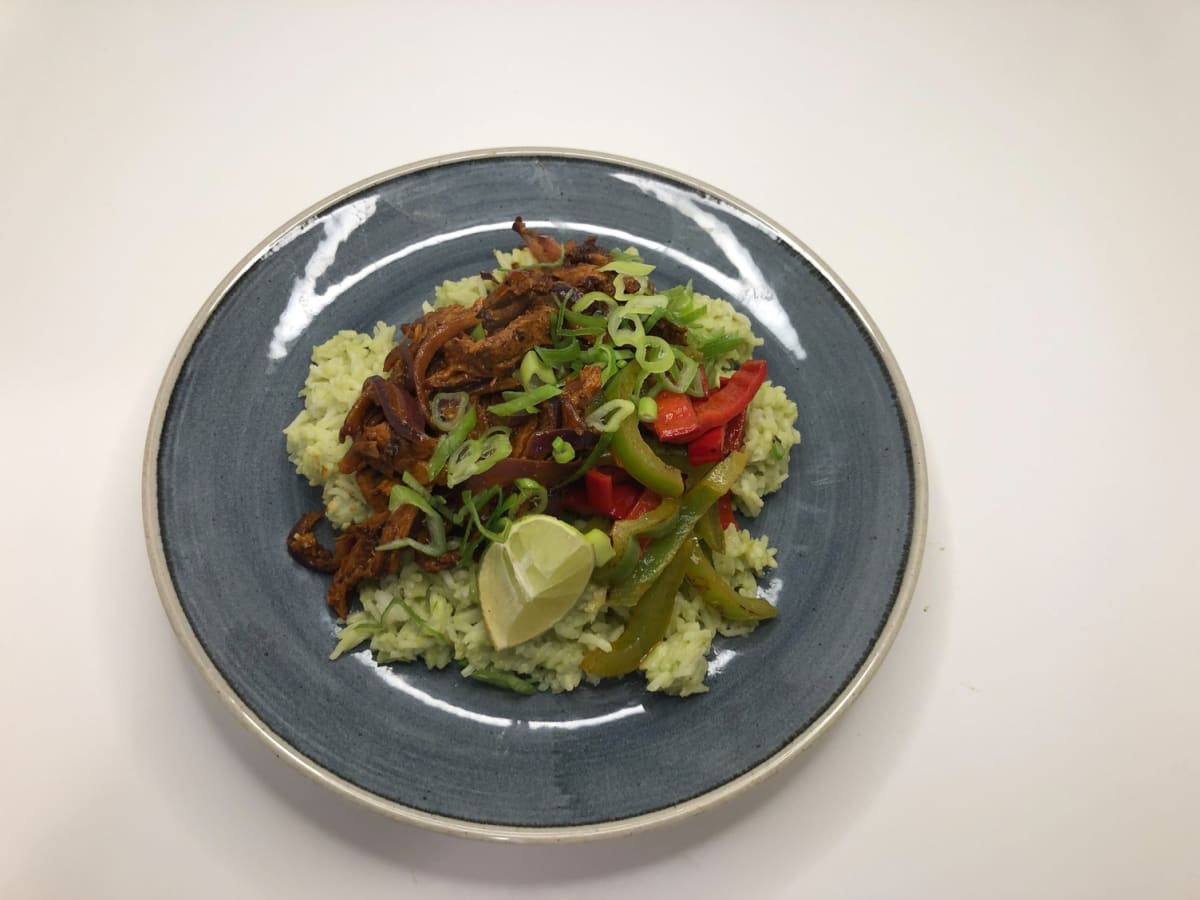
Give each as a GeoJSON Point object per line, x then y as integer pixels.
{"type": "Point", "coordinates": [436, 618]}
{"type": "Point", "coordinates": [769, 438]}
{"type": "Point", "coordinates": [335, 378]}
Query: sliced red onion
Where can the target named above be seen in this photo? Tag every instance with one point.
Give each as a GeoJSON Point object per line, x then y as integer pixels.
{"type": "Point", "coordinates": [399, 408]}
{"type": "Point", "coordinates": [545, 472]}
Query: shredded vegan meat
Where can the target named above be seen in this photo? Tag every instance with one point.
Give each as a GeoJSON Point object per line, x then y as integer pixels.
{"type": "Point", "coordinates": [476, 350]}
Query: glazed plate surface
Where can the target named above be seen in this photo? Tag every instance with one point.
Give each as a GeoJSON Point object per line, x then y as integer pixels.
{"type": "Point", "coordinates": [447, 752]}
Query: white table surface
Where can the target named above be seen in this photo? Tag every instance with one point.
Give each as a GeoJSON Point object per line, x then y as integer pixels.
{"type": "Point", "coordinates": [1012, 191]}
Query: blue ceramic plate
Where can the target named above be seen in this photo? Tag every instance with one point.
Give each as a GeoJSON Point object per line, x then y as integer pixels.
{"type": "Point", "coordinates": [447, 752]}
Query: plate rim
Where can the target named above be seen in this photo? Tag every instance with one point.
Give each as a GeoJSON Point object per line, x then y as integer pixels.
{"type": "Point", "coordinates": [523, 833]}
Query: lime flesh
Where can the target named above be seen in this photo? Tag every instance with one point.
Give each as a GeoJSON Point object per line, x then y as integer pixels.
{"type": "Point", "coordinates": [530, 582]}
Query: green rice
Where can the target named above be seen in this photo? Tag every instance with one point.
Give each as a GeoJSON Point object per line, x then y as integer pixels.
{"type": "Point", "coordinates": [436, 617]}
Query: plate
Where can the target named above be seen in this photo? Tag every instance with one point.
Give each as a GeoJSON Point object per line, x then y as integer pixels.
{"type": "Point", "coordinates": [449, 753]}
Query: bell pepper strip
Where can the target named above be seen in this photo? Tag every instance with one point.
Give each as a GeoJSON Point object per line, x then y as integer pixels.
{"type": "Point", "coordinates": [654, 523]}
{"type": "Point", "coordinates": [599, 487]}
{"type": "Point", "coordinates": [722, 404]}
{"type": "Point", "coordinates": [707, 448]}
{"type": "Point", "coordinates": [716, 591]}
{"type": "Point", "coordinates": [631, 449]}
{"type": "Point", "coordinates": [735, 432]}
{"type": "Point", "coordinates": [709, 529]}
{"type": "Point", "coordinates": [647, 624]}
{"type": "Point", "coordinates": [620, 566]}
{"type": "Point", "coordinates": [725, 513]}
{"type": "Point", "coordinates": [677, 455]}
{"type": "Point", "coordinates": [675, 415]}
{"type": "Point", "coordinates": [625, 498]}
{"type": "Point", "coordinates": [646, 502]}
{"type": "Point", "coordinates": [611, 494]}
{"type": "Point", "coordinates": [664, 548]}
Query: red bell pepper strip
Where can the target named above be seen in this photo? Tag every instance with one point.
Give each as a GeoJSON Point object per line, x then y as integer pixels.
{"type": "Point", "coordinates": [704, 382]}
{"type": "Point", "coordinates": [606, 494]}
{"type": "Point", "coordinates": [625, 497]}
{"type": "Point", "coordinates": [725, 512]}
{"type": "Point", "coordinates": [675, 416]}
{"type": "Point", "coordinates": [647, 502]}
{"type": "Point", "coordinates": [735, 432]}
{"type": "Point", "coordinates": [709, 447]}
{"type": "Point", "coordinates": [721, 405]}
{"type": "Point", "coordinates": [599, 490]}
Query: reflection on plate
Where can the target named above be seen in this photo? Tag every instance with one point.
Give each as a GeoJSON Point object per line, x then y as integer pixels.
{"type": "Point", "coordinates": [449, 753]}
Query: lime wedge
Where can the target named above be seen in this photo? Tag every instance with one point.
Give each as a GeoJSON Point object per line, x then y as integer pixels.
{"type": "Point", "coordinates": [528, 583]}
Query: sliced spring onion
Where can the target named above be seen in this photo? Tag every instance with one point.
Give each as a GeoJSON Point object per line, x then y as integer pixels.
{"type": "Point", "coordinates": [619, 286]}
{"type": "Point", "coordinates": [510, 681]}
{"type": "Point", "coordinates": [461, 464]}
{"type": "Point", "coordinates": [434, 500]}
{"type": "Point", "coordinates": [629, 253]}
{"type": "Point", "coordinates": [605, 356]}
{"type": "Point", "coordinates": [528, 491]}
{"type": "Point", "coordinates": [602, 546]}
{"type": "Point", "coordinates": [583, 324]}
{"type": "Point", "coordinates": [562, 451]}
{"type": "Point", "coordinates": [652, 319]}
{"type": "Point", "coordinates": [625, 327]}
{"type": "Point", "coordinates": [682, 308]}
{"type": "Point", "coordinates": [449, 443]}
{"type": "Point", "coordinates": [437, 539]}
{"type": "Point", "coordinates": [654, 354]}
{"type": "Point", "coordinates": [557, 356]}
{"type": "Point", "coordinates": [607, 417]}
{"type": "Point", "coordinates": [493, 447]}
{"type": "Point", "coordinates": [648, 303]}
{"type": "Point", "coordinates": [719, 344]}
{"type": "Point", "coordinates": [636, 269]}
{"type": "Point", "coordinates": [477, 333]}
{"type": "Point", "coordinates": [401, 495]}
{"type": "Point", "coordinates": [682, 372]}
{"type": "Point", "coordinates": [446, 408]}
{"type": "Point", "coordinates": [590, 299]}
{"type": "Point", "coordinates": [518, 402]}
{"type": "Point", "coordinates": [497, 527]}
{"type": "Point", "coordinates": [647, 409]}
{"type": "Point", "coordinates": [534, 372]}
{"type": "Point", "coordinates": [477, 456]}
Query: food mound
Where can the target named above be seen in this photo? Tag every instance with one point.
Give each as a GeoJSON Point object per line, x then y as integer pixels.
{"type": "Point", "coordinates": [537, 480]}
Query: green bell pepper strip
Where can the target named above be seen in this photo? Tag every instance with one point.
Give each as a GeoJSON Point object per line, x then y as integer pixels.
{"type": "Point", "coordinates": [717, 592]}
{"type": "Point", "coordinates": [654, 523]}
{"type": "Point", "coordinates": [631, 449]}
{"type": "Point", "coordinates": [647, 625]}
{"type": "Point", "coordinates": [663, 549]}
{"type": "Point", "coordinates": [619, 567]}
{"type": "Point", "coordinates": [709, 529]}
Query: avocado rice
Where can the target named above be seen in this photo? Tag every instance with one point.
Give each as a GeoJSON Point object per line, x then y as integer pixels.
{"type": "Point", "coordinates": [436, 617]}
